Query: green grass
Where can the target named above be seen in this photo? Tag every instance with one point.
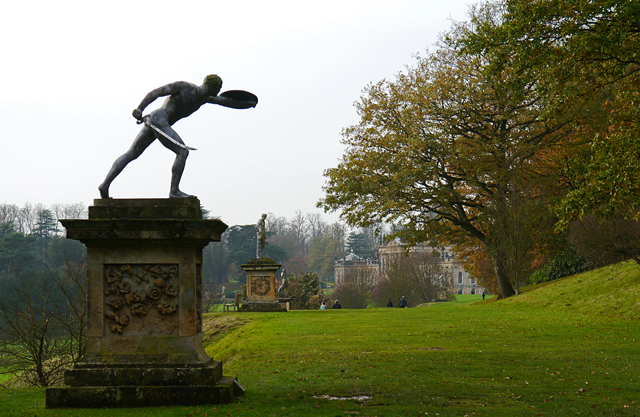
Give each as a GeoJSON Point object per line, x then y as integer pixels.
{"type": "Point", "coordinates": [612, 291]}
{"type": "Point", "coordinates": [462, 299]}
{"type": "Point", "coordinates": [570, 347]}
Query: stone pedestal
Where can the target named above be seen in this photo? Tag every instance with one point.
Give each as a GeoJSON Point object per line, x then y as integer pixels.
{"type": "Point", "coordinates": [261, 286]}
{"type": "Point", "coordinates": [144, 335]}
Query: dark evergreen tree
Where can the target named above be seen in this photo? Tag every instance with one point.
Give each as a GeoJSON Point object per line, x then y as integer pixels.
{"type": "Point", "coordinates": [16, 250]}
{"type": "Point", "coordinates": [241, 247]}
{"type": "Point", "coordinates": [46, 227]}
{"type": "Point", "coordinates": [358, 243]}
{"type": "Point", "coordinates": [215, 267]}
{"type": "Point", "coordinates": [306, 291]}
{"type": "Point", "coordinates": [62, 250]}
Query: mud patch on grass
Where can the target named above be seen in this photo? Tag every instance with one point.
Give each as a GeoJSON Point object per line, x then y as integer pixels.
{"type": "Point", "coordinates": [354, 398]}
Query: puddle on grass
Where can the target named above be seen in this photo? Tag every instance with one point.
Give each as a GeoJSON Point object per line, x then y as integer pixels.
{"type": "Point", "coordinates": [355, 398]}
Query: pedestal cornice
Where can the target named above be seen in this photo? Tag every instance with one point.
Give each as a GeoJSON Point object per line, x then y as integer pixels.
{"type": "Point", "coordinates": [116, 232]}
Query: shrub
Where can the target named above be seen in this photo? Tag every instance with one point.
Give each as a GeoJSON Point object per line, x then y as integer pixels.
{"type": "Point", "coordinates": [351, 296]}
{"type": "Point", "coordinates": [564, 264]}
{"type": "Point", "coordinates": [306, 291]}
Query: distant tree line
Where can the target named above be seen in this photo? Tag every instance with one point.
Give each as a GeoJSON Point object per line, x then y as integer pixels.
{"type": "Point", "coordinates": [43, 284]}
{"type": "Point", "coordinates": [31, 238]}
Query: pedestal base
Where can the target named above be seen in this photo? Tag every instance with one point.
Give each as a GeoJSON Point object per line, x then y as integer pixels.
{"type": "Point", "coordinates": [143, 385]}
{"type": "Point", "coordinates": [143, 375]}
{"type": "Point", "coordinates": [262, 306]}
{"type": "Point", "coordinates": [143, 396]}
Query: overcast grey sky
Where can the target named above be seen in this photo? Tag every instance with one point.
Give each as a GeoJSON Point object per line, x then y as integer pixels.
{"type": "Point", "coordinates": [73, 71]}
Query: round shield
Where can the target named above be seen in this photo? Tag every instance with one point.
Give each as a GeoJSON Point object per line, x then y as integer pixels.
{"type": "Point", "coordinates": [240, 95]}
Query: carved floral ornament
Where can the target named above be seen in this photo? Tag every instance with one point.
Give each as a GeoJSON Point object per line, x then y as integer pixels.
{"type": "Point", "coordinates": [134, 289]}
{"type": "Point", "coordinates": [260, 285]}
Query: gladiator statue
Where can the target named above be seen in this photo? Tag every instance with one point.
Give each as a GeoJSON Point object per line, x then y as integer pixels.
{"type": "Point", "coordinates": [183, 99]}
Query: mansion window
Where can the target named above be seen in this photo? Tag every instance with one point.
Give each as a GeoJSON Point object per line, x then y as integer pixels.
{"type": "Point", "coordinates": [459, 277]}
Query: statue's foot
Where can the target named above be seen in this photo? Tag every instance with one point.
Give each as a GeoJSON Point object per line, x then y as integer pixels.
{"type": "Point", "coordinates": [179, 194]}
{"type": "Point", "coordinates": [104, 191]}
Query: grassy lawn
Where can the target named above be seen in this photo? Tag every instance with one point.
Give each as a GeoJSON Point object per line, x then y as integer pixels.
{"type": "Point", "coordinates": [464, 299]}
{"type": "Point", "coordinates": [567, 348]}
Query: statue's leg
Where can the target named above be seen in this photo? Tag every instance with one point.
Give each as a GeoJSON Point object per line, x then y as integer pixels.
{"type": "Point", "coordinates": [142, 142]}
{"type": "Point", "coordinates": [176, 174]}
{"type": "Point", "coordinates": [180, 161]}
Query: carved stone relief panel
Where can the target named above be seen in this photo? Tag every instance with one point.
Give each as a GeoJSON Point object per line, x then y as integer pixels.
{"type": "Point", "coordinates": [141, 299]}
{"type": "Point", "coordinates": [260, 285]}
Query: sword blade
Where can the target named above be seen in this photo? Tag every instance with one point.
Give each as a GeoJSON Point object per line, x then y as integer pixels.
{"type": "Point", "coordinates": [157, 130]}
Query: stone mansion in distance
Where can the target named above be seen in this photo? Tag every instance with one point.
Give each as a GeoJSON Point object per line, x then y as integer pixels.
{"type": "Point", "coordinates": [462, 282]}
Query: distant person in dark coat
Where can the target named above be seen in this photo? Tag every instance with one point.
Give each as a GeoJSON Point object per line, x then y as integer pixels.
{"type": "Point", "coordinates": [483, 295]}
{"type": "Point", "coordinates": [337, 305]}
{"type": "Point", "coordinates": [389, 304]}
{"type": "Point", "coordinates": [402, 303]}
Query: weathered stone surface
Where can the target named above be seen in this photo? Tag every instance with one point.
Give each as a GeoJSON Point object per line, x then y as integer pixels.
{"type": "Point", "coordinates": [261, 280]}
{"type": "Point", "coordinates": [172, 222]}
{"type": "Point", "coordinates": [143, 396]}
{"type": "Point", "coordinates": [162, 325]}
{"type": "Point", "coordinates": [171, 208]}
{"type": "Point", "coordinates": [144, 333]}
{"type": "Point", "coordinates": [262, 306]}
{"type": "Point", "coordinates": [138, 231]}
{"type": "Point", "coordinates": [147, 376]}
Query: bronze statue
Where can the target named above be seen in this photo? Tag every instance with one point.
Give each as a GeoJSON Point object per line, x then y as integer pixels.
{"type": "Point", "coordinates": [184, 99]}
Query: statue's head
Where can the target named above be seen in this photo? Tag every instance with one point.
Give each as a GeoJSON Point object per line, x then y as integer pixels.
{"type": "Point", "coordinates": [213, 83]}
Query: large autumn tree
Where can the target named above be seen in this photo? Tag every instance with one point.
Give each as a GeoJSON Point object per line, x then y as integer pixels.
{"type": "Point", "coordinates": [586, 56]}
{"type": "Point", "coordinates": [448, 151]}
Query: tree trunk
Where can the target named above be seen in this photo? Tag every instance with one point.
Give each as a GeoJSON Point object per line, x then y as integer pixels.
{"type": "Point", "coordinates": [505, 288]}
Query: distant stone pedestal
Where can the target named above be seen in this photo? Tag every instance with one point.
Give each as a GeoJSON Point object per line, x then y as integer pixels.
{"type": "Point", "coordinates": [144, 334]}
{"type": "Point", "coordinates": [261, 286]}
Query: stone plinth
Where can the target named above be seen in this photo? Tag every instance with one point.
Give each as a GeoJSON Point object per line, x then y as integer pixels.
{"type": "Point", "coordinates": [144, 330]}
{"type": "Point", "coordinates": [261, 286]}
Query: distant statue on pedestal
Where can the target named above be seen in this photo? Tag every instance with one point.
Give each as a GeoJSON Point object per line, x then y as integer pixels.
{"type": "Point", "coordinates": [183, 99]}
{"type": "Point", "coordinates": [283, 280]}
{"type": "Point", "coordinates": [260, 236]}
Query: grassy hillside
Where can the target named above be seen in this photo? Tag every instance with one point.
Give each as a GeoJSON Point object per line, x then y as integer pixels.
{"type": "Point", "coordinates": [565, 348]}
{"type": "Point", "coordinates": [612, 291]}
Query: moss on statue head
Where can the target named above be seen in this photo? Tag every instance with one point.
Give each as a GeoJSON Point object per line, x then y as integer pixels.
{"type": "Point", "coordinates": [213, 83]}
